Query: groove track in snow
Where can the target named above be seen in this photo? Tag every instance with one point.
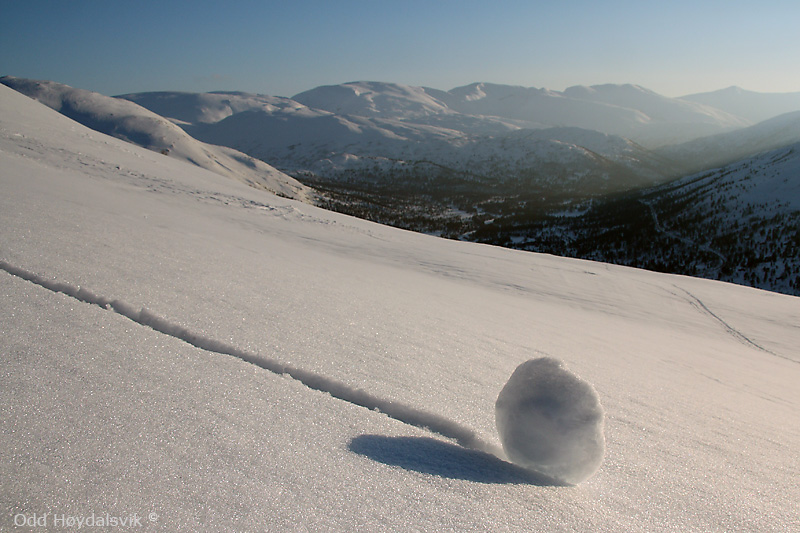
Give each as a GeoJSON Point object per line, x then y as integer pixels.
{"type": "Point", "coordinates": [698, 304]}
{"type": "Point", "coordinates": [407, 414]}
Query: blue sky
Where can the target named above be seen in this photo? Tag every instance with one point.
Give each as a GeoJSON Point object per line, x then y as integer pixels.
{"type": "Point", "coordinates": [282, 48]}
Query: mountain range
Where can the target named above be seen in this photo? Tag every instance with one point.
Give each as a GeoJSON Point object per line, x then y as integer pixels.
{"type": "Point", "coordinates": [750, 105]}
{"type": "Point", "coordinates": [495, 163]}
{"type": "Point", "coordinates": [739, 223]}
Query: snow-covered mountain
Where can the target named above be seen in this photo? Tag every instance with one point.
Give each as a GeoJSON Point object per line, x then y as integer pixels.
{"type": "Point", "coordinates": [202, 108]}
{"type": "Point", "coordinates": [380, 131]}
{"type": "Point", "coordinates": [739, 223]}
{"type": "Point", "coordinates": [629, 111]}
{"type": "Point", "coordinates": [367, 99]}
{"type": "Point", "coordinates": [384, 130]}
{"type": "Point", "coordinates": [133, 123]}
{"type": "Point", "coordinates": [192, 354]}
{"type": "Point", "coordinates": [483, 162]}
{"type": "Point", "coordinates": [716, 150]}
{"type": "Point", "coordinates": [753, 106]}
{"type": "Point", "coordinates": [335, 147]}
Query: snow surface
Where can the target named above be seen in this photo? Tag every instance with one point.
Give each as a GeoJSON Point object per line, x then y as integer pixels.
{"type": "Point", "coordinates": [105, 414]}
{"type": "Point", "coordinates": [133, 123]}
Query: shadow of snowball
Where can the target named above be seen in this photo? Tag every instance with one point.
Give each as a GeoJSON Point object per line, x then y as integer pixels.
{"type": "Point", "coordinates": [551, 421]}
{"type": "Point", "coordinates": [444, 459]}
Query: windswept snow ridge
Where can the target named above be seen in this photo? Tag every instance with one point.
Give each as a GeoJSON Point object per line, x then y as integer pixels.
{"type": "Point", "coordinates": [463, 435]}
{"type": "Point", "coordinates": [132, 123]}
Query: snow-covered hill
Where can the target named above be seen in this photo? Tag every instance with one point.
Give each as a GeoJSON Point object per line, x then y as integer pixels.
{"type": "Point", "coordinates": [135, 124]}
{"type": "Point", "coordinates": [385, 132]}
{"type": "Point", "coordinates": [629, 111]}
{"type": "Point", "coordinates": [745, 216]}
{"type": "Point", "coordinates": [201, 108]}
{"type": "Point", "coordinates": [389, 100]}
{"type": "Point", "coordinates": [717, 150]}
{"type": "Point", "coordinates": [183, 415]}
{"type": "Point", "coordinates": [751, 105]}
{"type": "Point", "coordinates": [739, 223]}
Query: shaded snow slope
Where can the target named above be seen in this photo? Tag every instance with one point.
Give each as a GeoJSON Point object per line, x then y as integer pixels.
{"type": "Point", "coordinates": [716, 150]}
{"type": "Point", "coordinates": [105, 415]}
{"type": "Point", "coordinates": [744, 216]}
{"type": "Point", "coordinates": [385, 129]}
{"type": "Point", "coordinates": [135, 124]}
{"type": "Point", "coordinates": [753, 106]}
{"type": "Point", "coordinates": [626, 110]}
{"type": "Point", "coordinates": [770, 179]}
{"type": "Point", "coordinates": [366, 98]}
{"type": "Point", "coordinates": [199, 108]}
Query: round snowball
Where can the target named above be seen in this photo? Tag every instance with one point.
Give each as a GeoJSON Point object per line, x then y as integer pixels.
{"type": "Point", "coordinates": [551, 421]}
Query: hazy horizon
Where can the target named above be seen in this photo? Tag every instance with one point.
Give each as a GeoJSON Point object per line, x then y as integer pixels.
{"type": "Point", "coordinates": [280, 49]}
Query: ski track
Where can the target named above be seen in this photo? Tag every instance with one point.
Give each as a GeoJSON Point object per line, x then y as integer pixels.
{"type": "Point", "coordinates": [463, 435]}
{"type": "Point", "coordinates": [698, 304]}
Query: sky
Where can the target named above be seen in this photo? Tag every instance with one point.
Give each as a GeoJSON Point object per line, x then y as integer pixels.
{"type": "Point", "coordinates": [283, 48]}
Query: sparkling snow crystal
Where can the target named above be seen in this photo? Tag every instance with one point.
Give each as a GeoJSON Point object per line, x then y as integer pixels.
{"type": "Point", "coordinates": [551, 421]}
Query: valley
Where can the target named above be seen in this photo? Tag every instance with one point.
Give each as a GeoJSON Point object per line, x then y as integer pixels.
{"type": "Point", "coordinates": [611, 173]}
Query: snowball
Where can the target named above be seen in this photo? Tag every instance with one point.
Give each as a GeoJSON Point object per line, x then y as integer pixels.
{"type": "Point", "coordinates": [551, 421]}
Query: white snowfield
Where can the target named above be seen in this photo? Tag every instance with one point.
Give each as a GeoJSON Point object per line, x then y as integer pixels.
{"type": "Point", "coordinates": [151, 312]}
{"type": "Point", "coordinates": [133, 123]}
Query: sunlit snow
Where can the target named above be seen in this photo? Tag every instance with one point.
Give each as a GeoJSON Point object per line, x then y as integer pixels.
{"type": "Point", "coordinates": [157, 414]}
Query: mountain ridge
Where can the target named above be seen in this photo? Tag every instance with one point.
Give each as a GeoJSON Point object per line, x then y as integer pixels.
{"type": "Point", "coordinates": [752, 105]}
{"type": "Point", "coordinates": [406, 156]}
{"type": "Point", "coordinates": [128, 121]}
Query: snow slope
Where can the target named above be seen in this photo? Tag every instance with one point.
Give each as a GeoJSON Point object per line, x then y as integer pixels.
{"type": "Point", "coordinates": [747, 214]}
{"type": "Point", "coordinates": [739, 223]}
{"type": "Point", "coordinates": [135, 124]}
{"type": "Point", "coordinates": [717, 150]}
{"type": "Point", "coordinates": [198, 108]}
{"type": "Point", "coordinates": [753, 106]}
{"type": "Point", "coordinates": [390, 131]}
{"type": "Point", "coordinates": [115, 412]}
{"type": "Point", "coordinates": [374, 128]}
{"type": "Point", "coordinates": [629, 111]}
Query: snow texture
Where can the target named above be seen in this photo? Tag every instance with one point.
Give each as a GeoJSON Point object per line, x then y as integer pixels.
{"type": "Point", "coordinates": [397, 410]}
{"type": "Point", "coordinates": [551, 421]}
